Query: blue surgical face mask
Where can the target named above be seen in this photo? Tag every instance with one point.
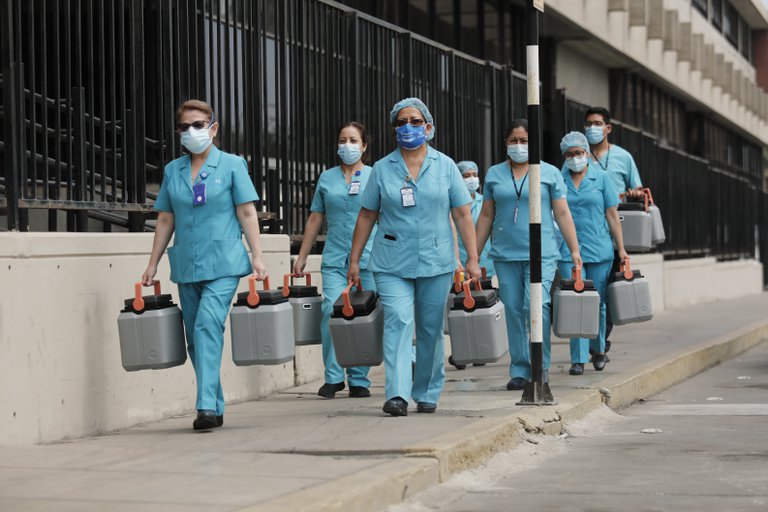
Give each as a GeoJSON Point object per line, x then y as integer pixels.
{"type": "Point", "coordinates": [518, 153]}
{"type": "Point", "coordinates": [196, 141]}
{"type": "Point", "coordinates": [350, 153]}
{"type": "Point", "coordinates": [473, 183]}
{"type": "Point", "coordinates": [411, 137]}
{"type": "Point", "coordinates": [577, 163]}
{"type": "Point", "coordinates": [594, 134]}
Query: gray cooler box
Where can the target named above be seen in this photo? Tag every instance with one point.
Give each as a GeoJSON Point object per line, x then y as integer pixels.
{"type": "Point", "coordinates": [636, 227]}
{"type": "Point", "coordinates": [262, 327]}
{"type": "Point", "coordinates": [658, 236]}
{"type": "Point", "coordinates": [307, 310]}
{"type": "Point", "coordinates": [357, 329]}
{"type": "Point", "coordinates": [478, 331]}
{"type": "Point", "coordinates": [576, 308]}
{"type": "Point", "coordinates": [151, 332]}
{"type": "Point", "coordinates": [629, 297]}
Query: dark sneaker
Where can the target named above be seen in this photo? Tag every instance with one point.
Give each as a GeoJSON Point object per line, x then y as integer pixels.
{"type": "Point", "coordinates": [396, 407]}
{"type": "Point", "coordinates": [426, 407]}
{"type": "Point", "coordinates": [577, 369]}
{"type": "Point", "coordinates": [206, 420]}
{"type": "Point", "coordinates": [359, 392]}
{"type": "Point", "coordinates": [516, 384]}
{"type": "Point", "coordinates": [330, 390]}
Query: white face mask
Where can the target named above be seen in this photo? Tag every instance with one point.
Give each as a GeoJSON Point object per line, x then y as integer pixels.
{"type": "Point", "coordinates": [577, 164]}
{"type": "Point", "coordinates": [196, 141]}
{"type": "Point", "coordinates": [350, 153]}
{"type": "Point", "coordinates": [473, 183]}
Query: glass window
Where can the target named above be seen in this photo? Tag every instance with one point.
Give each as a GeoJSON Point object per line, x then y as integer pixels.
{"type": "Point", "coordinates": [701, 5]}
{"type": "Point", "coordinates": [717, 13]}
{"type": "Point", "coordinates": [731, 24]}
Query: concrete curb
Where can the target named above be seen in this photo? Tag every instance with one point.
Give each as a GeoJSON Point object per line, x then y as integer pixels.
{"type": "Point", "coordinates": [430, 463]}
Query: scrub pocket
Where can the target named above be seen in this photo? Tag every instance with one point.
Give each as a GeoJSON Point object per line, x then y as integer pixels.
{"type": "Point", "coordinates": [229, 257]}
{"type": "Point", "coordinates": [443, 253]}
{"type": "Point", "coordinates": [385, 252]}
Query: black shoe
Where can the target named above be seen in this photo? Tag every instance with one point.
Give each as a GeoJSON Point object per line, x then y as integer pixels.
{"type": "Point", "coordinates": [516, 383]}
{"type": "Point", "coordinates": [219, 420]}
{"type": "Point", "coordinates": [426, 407]}
{"type": "Point", "coordinates": [457, 366]}
{"type": "Point", "coordinates": [396, 407]}
{"type": "Point", "coordinates": [598, 361]}
{"type": "Point", "coordinates": [206, 420]}
{"type": "Point", "coordinates": [329, 390]}
{"type": "Point", "coordinates": [478, 364]}
{"type": "Point", "coordinates": [359, 392]}
{"type": "Point", "coordinates": [577, 369]}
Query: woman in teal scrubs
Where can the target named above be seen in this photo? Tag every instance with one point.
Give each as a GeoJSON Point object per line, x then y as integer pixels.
{"type": "Point", "coordinates": [337, 200]}
{"type": "Point", "coordinates": [412, 193]}
{"type": "Point", "coordinates": [206, 200]}
{"type": "Point", "coordinates": [593, 201]}
{"type": "Point", "coordinates": [472, 179]}
{"type": "Point", "coordinates": [504, 218]}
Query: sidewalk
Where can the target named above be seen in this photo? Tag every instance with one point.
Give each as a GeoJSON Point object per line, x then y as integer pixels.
{"type": "Point", "coordinates": [294, 451]}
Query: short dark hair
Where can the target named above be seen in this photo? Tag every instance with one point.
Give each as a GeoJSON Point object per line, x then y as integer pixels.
{"type": "Point", "coordinates": [601, 111]}
{"type": "Point", "coordinates": [517, 123]}
{"type": "Point", "coordinates": [360, 127]}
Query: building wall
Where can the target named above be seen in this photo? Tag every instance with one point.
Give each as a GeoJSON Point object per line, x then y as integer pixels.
{"type": "Point", "coordinates": [670, 42]}
{"type": "Point", "coordinates": [583, 79]}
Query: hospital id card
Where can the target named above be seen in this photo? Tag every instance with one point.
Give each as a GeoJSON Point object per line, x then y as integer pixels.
{"type": "Point", "coordinates": [354, 188]}
{"type": "Point", "coordinates": [406, 194]}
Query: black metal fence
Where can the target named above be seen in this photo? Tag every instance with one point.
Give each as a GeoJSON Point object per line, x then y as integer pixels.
{"type": "Point", "coordinates": [90, 88]}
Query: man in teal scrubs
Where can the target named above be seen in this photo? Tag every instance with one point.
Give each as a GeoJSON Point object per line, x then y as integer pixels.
{"type": "Point", "coordinates": [206, 200]}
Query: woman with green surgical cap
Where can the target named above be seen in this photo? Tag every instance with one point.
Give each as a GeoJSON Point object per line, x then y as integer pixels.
{"type": "Point", "coordinates": [412, 192]}
{"type": "Point", "coordinates": [337, 201]}
{"type": "Point", "coordinates": [504, 218]}
{"type": "Point", "coordinates": [472, 179]}
{"type": "Point", "coordinates": [593, 202]}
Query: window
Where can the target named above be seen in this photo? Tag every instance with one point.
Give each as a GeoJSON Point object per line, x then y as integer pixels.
{"type": "Point", "coordinates": [717, 14]}
{"type": "Point", "coordinates": [731, 24]}
{"type": "Point", "coordinates": [701, 5]}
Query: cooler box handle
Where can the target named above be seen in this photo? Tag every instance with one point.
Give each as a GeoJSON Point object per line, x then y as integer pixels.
{"type": "Point", "coordinates": [457, 278]}
{"type": "Point", "coordinates": [469, 301]}
{"type": "Point", "coordinates": [289, 278]}
{"type": "Point", "coordinates": [253, 297]}
{"type": "Point", "coordinates": [624, 267]}
{"type": "Point", "coordinates": [347, 310]}
{"type": "Point", "coordinates": [578, 282]}
{"type": "Point", "coordinates": [138, 300]}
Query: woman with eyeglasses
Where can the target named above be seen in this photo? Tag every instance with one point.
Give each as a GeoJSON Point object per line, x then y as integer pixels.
{"type": "Point", "coordinates": [337, 200]}
{"type": "Point", "coordinates": [206, 202]}
{"type": "Point", "coordinates": [504, 218]}
{"type": "Point", "coordinates": [593, 201]}
{"type": "Point", "coordinates": [412, 192]}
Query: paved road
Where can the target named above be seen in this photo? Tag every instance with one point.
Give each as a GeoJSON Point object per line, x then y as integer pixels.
{"type": "Point", "coordinates": [710, 454]}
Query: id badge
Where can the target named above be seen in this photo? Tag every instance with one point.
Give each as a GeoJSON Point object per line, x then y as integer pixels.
{"type": "Point", "coordinates": [406, 194]}
{"type": "Point", "coordinates": [198, 189]}
{"type": "Point", "coordinates": [354, 188]}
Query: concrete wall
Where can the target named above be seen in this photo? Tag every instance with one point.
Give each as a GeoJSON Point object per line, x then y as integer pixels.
{"type": "Point", "coordinates": [583, 79]}
{"type": "Point", "coordinates": [60, 295]}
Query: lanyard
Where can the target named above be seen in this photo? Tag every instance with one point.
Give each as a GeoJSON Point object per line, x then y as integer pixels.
{"type": "Point", "coordinates": [607, 158]}
{"type": "Point", "coordinates": [519, 193]}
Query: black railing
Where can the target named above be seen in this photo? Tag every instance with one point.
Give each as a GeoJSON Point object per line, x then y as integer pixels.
{"type": "Point", "coordinates": [91, 86]}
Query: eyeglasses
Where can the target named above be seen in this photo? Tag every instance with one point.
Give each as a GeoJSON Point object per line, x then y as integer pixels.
{"type": "Point", "coordinates": [197, 125]}
{"type": "Point", "coordinates": [412, 122]}
{"type": "Point", "coordinates": [599, 124]}
{"type": "Point", "coordinates": [574, 154]}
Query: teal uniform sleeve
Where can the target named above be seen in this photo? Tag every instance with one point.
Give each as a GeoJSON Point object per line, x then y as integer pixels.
{"type": "Point", "coordinates": [610, 196]}
{"type": "Point", "coordinates": [458, 193]}
{"type": "Point", "coordinates": [371, 199]}
{"type": "Point", "coordinates": [558, 187]}
{"type": "Point", "coordinates": [243, 190]}
{"type": "Point", "coordinates": [163, 201]}
{"type": "Point", "coordinates": [634, 175]}
{"type": "Point", "coordinates": [318, 202]}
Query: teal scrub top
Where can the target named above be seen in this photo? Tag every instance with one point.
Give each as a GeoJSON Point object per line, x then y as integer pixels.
{"type": "Point", "coordinates": [207, 240]}
{"type": "Point", "coordinates": [510, 240]}
{"type": "Point", "coordinates": [414, 241]}
{"type": "Point", "coordinates": [485, 260]}
{"type": "Point", "coordinates": [588, 204]}
{"type": "Point", "coordinates": [621, 168]}
{"type": "Point", "coordinates": [332, 198]}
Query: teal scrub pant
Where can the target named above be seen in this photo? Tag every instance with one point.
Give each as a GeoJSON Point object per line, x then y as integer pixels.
{"type": "Point", "coordinates": [403, 299]}
{"type": "Point", "coordinates": [514, 291]}
{"type": "Point", "coordinates": [205, 306]}
{"type": "Point", "coordinates": [334, 282]}
{"type": "Point", "coordinates": [598, 273]}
